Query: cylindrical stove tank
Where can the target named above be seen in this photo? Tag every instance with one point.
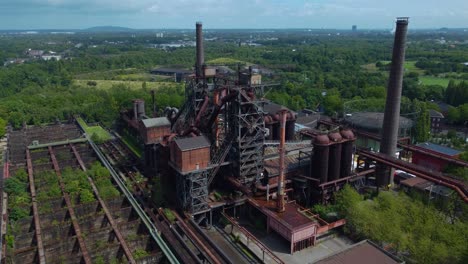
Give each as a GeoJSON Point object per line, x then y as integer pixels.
{"type": "Point", "coordinates": [319, 165]}
{"type": "Point", "coordinates": [290, 129]}
{"type": "Point", "coordinates": [141, 108]}
{"type": "Point", "coordinates": [347, 152]}
{"type": "Point", "coordinates": [334, 161]}
{"type": "Point", "coordinates": [276, 131]}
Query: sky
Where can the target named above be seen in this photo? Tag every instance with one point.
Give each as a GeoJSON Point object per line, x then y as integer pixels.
{"type": "Point", "coordinates": [146, 14]}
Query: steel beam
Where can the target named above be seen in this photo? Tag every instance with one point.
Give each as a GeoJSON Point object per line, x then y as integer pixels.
{"type": "Point", "coordinates": [37, 224]}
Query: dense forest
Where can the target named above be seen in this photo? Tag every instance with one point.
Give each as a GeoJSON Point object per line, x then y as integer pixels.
{"type": "Point", "coordinates": [315, 72]}
{"type": "Point", "coordinates": [412, 226]}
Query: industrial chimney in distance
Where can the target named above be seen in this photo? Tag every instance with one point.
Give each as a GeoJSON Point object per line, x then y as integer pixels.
{"type": "Point", "coordinates": [200, 51]}
{"type": "Point", "coordinates": [392, 104]}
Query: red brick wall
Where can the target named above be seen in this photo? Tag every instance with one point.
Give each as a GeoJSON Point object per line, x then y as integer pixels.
{"type": "Point", "coordinates": [154, 134]}
{"type": "Point", "coordinates": [187, 160]}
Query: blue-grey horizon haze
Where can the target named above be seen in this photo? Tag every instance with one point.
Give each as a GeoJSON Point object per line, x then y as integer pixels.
{"type": "Point", "coordinates": [148, 14]}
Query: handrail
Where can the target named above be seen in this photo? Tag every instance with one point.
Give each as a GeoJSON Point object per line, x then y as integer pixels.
{"type": "Point", "coordinates": [255, 240]}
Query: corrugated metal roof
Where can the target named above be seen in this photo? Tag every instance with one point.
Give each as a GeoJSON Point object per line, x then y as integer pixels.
{"type": "Point", "coordinates": [411, 182]}
{"type": "Point", "coordinates": [156, 122]}
{"type": "Point", "coordinates": [364, 252]}
{"type": "Point", "coordinates": [193, 143]}
{"type": "Point", "coordinates": [440, 149]}
{"type": "Point", "coordinates": [272, 108]}
{"type": "Point", "coordinates": [434, 113]}
{"type": "Point", "coordinates": [309, 120]}
{"type": "Point", "coordinates": [171, 71]}
{"type": "Point", "coordinates": [374, 120]}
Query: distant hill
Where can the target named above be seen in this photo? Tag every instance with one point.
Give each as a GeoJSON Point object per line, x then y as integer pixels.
{"type": "Point", "coordinates": [108, 29]}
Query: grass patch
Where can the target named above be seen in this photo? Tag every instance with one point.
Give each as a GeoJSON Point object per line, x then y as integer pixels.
{"type": "Point", "coordinates": [140, 253]}
{"type": "Point", "coordinates": [227, 61]}
{"type": "Point", "coordinates": [432, 80]}
{"type": "Point", "coordinates": [134, 85]}
{"type": "Point", "coordinates": [132, 145]}
{"type": "Point", "coordinates": [95, 132]}
{"type": "Point", "coordinates": [410, 66]}
{"type": "Point", "coordinates": [370, 67]}
{"type": "Point", "coordinates": [169, 214]}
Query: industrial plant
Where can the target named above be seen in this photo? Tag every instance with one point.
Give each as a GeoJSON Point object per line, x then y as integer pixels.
{"type": "Point", "coordinates": [228, 154]}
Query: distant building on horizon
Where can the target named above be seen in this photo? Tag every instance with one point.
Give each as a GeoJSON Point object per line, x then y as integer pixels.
{"type": "Point", "coordinates": [354, 28]}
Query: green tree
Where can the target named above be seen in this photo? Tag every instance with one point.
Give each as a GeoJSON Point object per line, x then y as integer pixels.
{"type": "Point", "coordinates": [374, 92]}
{"type": "Point", "coordinates": [333, 104]}
{"type": "Point", "coordinates": [453, 114]}
{"type": "Point", "coordinates": [3, 124]}
{"type": "Point", "coordinates": [463, 109]}
{"type": "Point", "coordinates": [423, 124]}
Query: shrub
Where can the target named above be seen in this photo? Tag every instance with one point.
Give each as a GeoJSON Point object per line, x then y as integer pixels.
{"type": "Point", "coordinates": [140, 253]}
{"type": "Point", "coordinates": [17, 213]}
{"type": "Point", "coordinates": [86, 196]}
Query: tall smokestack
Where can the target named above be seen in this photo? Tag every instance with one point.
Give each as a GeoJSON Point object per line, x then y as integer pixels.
{"type": "Point", "coordinates": [200, 52]}
{"type": "Point", "coordinates": [392, 105]}
{"type": "Point", "coordinates": [280, 195]}
{"type": "Point", "coordinates": [135, 109]}
{"type": "Point", "coordinates": [154, 103]}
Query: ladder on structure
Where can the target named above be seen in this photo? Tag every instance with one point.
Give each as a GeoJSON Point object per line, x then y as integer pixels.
{"type": "Point", "coordinates": [218, 158]}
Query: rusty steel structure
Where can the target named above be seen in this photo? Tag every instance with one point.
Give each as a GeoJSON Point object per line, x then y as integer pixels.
{"type": "Point", "coordinates": [192, 244]}
{"type": "Point", "coordinates": [109, 217]}
{"type": "Point", "coordinates": [419, 171]}
{"type": "Point", "coordinates": [393, 100]}
{"type": "Point", "coordinates": [436, 177]}
{"type": "Point", "coordinates": [71, 228]}
{"type": "Point", "coordinates": [37, 224]}
{"type": "Point", "coordinates": [229, 111]}
{"type": "Point", "coordinates": [71, 211]}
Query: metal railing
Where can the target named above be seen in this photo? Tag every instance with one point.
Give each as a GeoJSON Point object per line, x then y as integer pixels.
{"type": "Point", "coordinates": [252, 238]}
{"type": "Point", "coordinates": [219, 158]}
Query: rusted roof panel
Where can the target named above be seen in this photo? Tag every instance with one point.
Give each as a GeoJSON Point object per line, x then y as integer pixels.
{"type": "Point", "coordinates": [364, 252]}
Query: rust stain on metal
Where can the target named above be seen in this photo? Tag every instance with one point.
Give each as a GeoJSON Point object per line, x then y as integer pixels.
{"type": "Point", "coordinates": [37, 225]}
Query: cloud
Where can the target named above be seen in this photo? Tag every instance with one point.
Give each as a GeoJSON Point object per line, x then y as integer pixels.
{"type": "Point", "coordinates": [233, 13]}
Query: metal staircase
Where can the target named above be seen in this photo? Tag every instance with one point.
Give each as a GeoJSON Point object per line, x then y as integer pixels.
{"type": "Point", "coordinates": [219, 158]}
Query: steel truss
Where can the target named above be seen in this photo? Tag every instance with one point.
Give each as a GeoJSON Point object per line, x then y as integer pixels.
{"type": "Point", "coordinates": [248, 129]}
{"type": "Point", "coordinates": [192, 191]}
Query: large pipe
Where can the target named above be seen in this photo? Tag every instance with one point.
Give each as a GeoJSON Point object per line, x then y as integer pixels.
{"type": "Point", "coordinates": [202, 110]}
{"type": "Point", "coordinates": [392, 104]}
{"type": "Point", "coordinates": [280, 199]}
{"type": "Point", "coordinates": [220, 105]}
{"type": "Point", "coordinates": [200, 52]}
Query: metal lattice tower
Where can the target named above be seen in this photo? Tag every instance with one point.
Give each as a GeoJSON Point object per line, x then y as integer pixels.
{"type": "Point", "coordinates": [192, 191]}
{"type": "Point", "coordinates": [248, 129]}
